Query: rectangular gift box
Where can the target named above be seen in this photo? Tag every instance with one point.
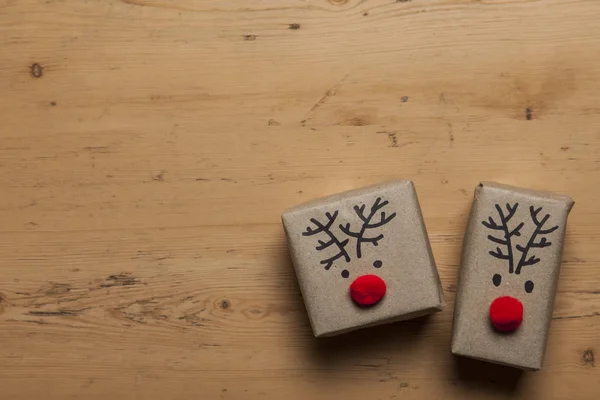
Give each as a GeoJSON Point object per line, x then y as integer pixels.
{"type": "Point", "coordinates": [377, 230]}
{"type": "Point", "coordinates": [512, 247]}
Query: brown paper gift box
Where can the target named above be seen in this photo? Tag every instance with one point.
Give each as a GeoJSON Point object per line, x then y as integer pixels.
{"type": "Point", "coordinates": [326, 264]}
{"type": "Point", "coordinates": [526, 267]}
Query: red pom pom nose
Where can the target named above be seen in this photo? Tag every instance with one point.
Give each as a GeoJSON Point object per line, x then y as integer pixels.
{"type": "Point", "coordinates": [506, 313]}
{"type": "Point", "coordinates": [367, 290]}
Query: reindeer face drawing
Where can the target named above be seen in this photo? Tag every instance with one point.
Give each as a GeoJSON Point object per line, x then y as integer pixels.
{"type": "Point", "coordinates": [510, 266]}
{"type": "Point", "coordinates": [366, 289]}
{"type": "Point", "coordinates": [506, 312]}
{"type": "Point", "coordinates": [362, 258]}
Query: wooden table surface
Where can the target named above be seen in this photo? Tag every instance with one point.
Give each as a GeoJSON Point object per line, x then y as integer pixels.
{"type": "Point", "coordinates": [148, 148]}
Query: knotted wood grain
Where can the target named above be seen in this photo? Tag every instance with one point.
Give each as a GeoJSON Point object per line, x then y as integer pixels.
{"type": "Point", "coordinates": [148, 148]}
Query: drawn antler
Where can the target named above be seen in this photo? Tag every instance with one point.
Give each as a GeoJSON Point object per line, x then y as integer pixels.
{"type": "Point", "coordinates": [319, 227]}
{"type": "Point", "coordinates": [503, 226]}
{"type": "Point", "coordinates": [524, 261]}
{"type": "Point", "coordinates": [360, 235]}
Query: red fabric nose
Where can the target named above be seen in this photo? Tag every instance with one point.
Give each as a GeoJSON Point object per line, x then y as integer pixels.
{"type": "Point", "coordinates": [367, 290]}
{"type": "Point", "coordinates": [506, 313]}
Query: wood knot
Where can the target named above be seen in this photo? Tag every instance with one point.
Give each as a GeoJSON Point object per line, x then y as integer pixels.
{"type": "Point", "coordinates": [37, 71]}
{"type": "Point", "coordinates": [2, 302]}
{"type": "Point", "coordinates": [588, 357]}
{"type": "Point", "coordinates": [338, 2]}
{"type": "Point", "coordinates": [225, 304]}
{"type": "Point", "coordinates": [249, 37]}
{"type": "Point", "coordinates": [294, 27]}
{"type": "Point", "coordinates": [255, 313]}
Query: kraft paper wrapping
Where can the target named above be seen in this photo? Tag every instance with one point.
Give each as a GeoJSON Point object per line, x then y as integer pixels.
{"type": "Point", "coordinates": [535, 223]}
{"type": "Point", "coordinates": [326, 264]}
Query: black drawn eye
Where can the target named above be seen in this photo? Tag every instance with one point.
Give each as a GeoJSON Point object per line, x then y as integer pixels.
{"type": "Point", "coordinates": [345, 273]}
{"type": "Point", "coordinates": [497, 279]}
{"type": "Point", "coordinates": [529, 286]}
{"type": "Point", "coordinates": [377, 264]}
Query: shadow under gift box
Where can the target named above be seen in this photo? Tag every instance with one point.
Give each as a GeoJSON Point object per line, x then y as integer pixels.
{"type": "Point", "coordinates": [510, 264]}
{"type": "Point", "coordinates": [362, 258]}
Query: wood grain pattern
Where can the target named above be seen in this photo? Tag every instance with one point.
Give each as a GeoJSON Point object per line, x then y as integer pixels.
{"type": "Point", "coordinates": [148, 148]}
